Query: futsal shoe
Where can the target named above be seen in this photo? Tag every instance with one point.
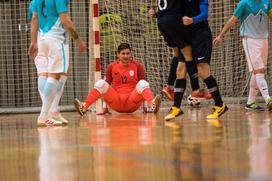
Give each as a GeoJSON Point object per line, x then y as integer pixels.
{"type": "Point", "coordinates": [41, 123]}
{"type": "Point", "coordinates": [52, 122]}
{"type": "Point", "coordinates": [168, 92]}
{"type": "Point", "coordinates": [58, 117]}
{"type": "Point", "coordinates": [174, 112]}
{"type": "Point", "coordinates": [201, 94]}
{"type": "Point", "coordinates": [254, 106]}
{"type": "Point", "coordinates": [80, 107]}
{"type": "Point", "coordinates": [156, 103]}
{"type": "Point", "coordinates": [269, 105]}
{"type": "Point", "coordinates": [217, 112]}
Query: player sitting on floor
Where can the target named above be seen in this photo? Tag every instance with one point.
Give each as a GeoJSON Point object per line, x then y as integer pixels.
{"type": "Point", "coordinates": [125, 87]}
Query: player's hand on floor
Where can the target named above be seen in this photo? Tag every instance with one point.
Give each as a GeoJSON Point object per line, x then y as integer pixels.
{"type": "Point", "coordinates": [105, 111]}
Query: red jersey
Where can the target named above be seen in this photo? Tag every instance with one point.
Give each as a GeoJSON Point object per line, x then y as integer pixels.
{"type": "Point", "coordinates": [124, 78]}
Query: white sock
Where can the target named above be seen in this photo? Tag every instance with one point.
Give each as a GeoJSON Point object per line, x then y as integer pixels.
{"type": "Point", "coordinates": [262, 85]}
{"type": "Point", "coordinates": [49, 93]}
{"type": "Point", "coordinates": [60, 86]}
{"type": "Point", "coordinates": [253, 90]}
{"type": "Point", "coordinates": [41, 83]}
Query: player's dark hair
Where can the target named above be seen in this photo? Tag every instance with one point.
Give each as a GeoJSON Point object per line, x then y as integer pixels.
{"type": "Point", "coordinates": [123, 46]}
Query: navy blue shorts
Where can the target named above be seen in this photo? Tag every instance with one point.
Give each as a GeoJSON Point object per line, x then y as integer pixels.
{"type": "Point", "coordinates": [173, 31]}
{"type": "Point", "coordinates": [202, 44]}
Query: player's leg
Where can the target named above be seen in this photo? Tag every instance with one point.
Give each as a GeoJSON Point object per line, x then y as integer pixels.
{"type": "Point", "coordinates": [50, 86]}
{"type": "Point", "coordinates": [256, 53]}
{"type": "Point", "coordinates": [180, 37]}
{"type": "Point", "coordinates": [191, 68]}
{"type": "Point", "coordinates": [163, 25]}
{"type": "Point", "coordinates": [179, 90]}
{"type": "Point", "coordinates": [41, 63]}
{"type": "Point", "coordinates": [42, 78]}
{"type": "Point", "coordinates": [143, 91]}
{"type": "Point", "coordinates": [202, 49]}
{"type": "Point", "coordinates": [168, 91]}
{"type": "Point", "coordinates": [101, 87]}
{"type": "Point", "coordinates": [253, 91]}
{"type": "Point", "coordinates": [219, 107]}
{"type": "Point", "coordinates": [54, 109]}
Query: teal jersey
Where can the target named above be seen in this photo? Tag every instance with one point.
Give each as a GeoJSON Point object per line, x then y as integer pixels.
{"type": "Point", "coordinates": [253, 16]}
{"type": "Point", "coordinates": [30, 10]}
{"type": "Point", "coordinates": [48, 15]}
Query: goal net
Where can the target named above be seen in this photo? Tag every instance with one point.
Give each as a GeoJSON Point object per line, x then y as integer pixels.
{"type": "Point", "coordinates": [120, 21]}
{"type": "Point", "coordinates": [127, 21]}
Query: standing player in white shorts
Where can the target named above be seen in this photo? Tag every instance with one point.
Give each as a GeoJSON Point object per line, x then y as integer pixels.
{"type": "Point", "coordinates": [41, 66]}
{"type": "Point", "coordinates": [51, 21]}
{"type": "Point", "coordinates": [253, 16]}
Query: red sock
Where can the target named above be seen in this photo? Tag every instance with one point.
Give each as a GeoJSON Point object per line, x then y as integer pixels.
{"type": "Point", "coordinates": [148, 95]}
{"type": "Point", "coordinates": [92, 97]}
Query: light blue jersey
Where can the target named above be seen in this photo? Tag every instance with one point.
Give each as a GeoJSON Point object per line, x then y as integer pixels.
{"type": "Point", "coordinates": [253, 16]}
{"type": "Point", "coordinates": [49, 22]}
{"type": "Point", "coordinates": [30, 10]}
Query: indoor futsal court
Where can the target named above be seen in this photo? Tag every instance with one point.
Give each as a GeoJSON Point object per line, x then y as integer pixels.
{"type": "Point", "coordinates": [138, 147]}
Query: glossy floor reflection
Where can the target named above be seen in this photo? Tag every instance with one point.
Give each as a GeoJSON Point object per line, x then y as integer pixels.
{"type": "Point", "coordinates": [138, 146]}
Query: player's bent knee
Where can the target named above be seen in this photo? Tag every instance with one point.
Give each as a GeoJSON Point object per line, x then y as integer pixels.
{"type": "Point", "coordinates": [141, 86]}
{"type": "Point", "coordinates": [102, 86]}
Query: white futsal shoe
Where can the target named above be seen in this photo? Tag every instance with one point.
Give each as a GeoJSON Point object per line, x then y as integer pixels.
{"type": "Point", "coordinates": [58, 117]}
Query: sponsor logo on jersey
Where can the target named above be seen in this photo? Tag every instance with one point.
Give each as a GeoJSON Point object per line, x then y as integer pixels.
{"type": "Point", "coordinates": [131, 73]}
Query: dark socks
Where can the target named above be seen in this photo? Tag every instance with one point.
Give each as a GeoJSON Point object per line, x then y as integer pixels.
{"type": "Point", "coordinates": [214, 90]}
{"type": "Point", "coordinates": [192, 71]}
{"type": "Point", "coordinates": [179, 91]}
{"type": "Point", "coordinates": [173, 69]}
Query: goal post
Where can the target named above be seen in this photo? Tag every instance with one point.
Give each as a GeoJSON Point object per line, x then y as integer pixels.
{"type": "Point", "coordinates": [95, 39]}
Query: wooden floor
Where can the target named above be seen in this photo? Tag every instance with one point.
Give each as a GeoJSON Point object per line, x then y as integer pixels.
{"type": "Point", "coordinates": [138, 147]}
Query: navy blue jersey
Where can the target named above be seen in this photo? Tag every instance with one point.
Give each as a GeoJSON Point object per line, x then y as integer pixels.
{"type": "Point", "coordinates": [170, 7]}
{"type": "Point", "coordinates": [197, 9]}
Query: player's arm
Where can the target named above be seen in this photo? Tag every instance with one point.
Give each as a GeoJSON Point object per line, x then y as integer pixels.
{"type": "Point", "coordinates": [231, 22]}
{"type": "Point", "coordinates": [204, 10]}
{"type": "Point", "coordinates": [238, 14]}
{"type": "Point", "coordinates": [34, 25]}
{"type": "Point", "coordinates": [69, 26]}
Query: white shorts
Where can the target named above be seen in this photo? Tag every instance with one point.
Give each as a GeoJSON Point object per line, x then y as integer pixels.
{"type": "Point", "coordinates": [41, 64]}
{"type": "Point", "coordinates": [53, 54]}
{"type": "Point", "coordinates": [256, 53]}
